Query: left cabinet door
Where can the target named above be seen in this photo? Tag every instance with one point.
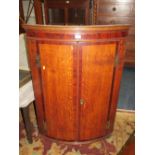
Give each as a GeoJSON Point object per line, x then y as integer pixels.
{"type": "Point", "coordinates": [59, 86]}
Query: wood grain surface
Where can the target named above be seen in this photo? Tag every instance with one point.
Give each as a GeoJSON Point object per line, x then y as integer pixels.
{"type": "Point", "coordinates": [76, 73]}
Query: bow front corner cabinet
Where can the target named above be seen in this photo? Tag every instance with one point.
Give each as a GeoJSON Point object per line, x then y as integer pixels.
{"type": "Point", "coordinates": [76, 74]}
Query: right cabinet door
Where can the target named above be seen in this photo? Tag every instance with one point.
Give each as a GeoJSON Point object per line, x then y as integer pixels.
{"type": "Point", "coordinates": [97, 67]}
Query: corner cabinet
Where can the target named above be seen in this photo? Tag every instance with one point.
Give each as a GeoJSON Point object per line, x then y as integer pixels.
{"type": "Point", "coordinates": [76, 73]}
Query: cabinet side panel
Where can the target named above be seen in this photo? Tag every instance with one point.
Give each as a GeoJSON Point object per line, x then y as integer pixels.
{"type": "Point", "coordinates": [116, 84]}
{"type": "Point", "coordinates": [96, 82]}
{"type": "Point", "coordinates": [36, 79]}
{"type": "Point", "coordinates": [58, 87]}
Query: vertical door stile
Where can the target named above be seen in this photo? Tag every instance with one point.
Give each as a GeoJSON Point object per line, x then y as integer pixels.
{"type": "Point", "coordinates": [78, 89]}
{"type": "Point", "coordinates": [42, 72]}
{"type": "Point", "coordinates": [39, 66]}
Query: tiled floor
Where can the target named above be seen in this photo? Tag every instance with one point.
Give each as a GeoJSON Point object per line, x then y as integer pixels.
{"type": "Point", "coordinates": [127, 90]}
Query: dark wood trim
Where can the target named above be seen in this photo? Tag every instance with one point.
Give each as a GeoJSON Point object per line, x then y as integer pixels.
{"type": "Point", "coordinates": [38, 12]}
{"type": "Point", "coordinates": [46, 12]}
{"type": "Point", "coordinates": [112, 87]}
{"type": "Point", "coordinates": [21, 11]}
{"type": "Point", "coordinates": [21, 17]}
{"type": "Point", "coordinates": [116, 84]}
{"type": "Point", "coordinates": [32, 53]}
{"type": "Point", "coordinates": [95, 11]}
{"type": "Point", "coordinates": [78, 142]}
{"type": "Point", "coordinates": [75, 74]}
{"type": "Point", "coordinates": [27, 123]}
{"type": "Point", "coordinates": [79, 84]}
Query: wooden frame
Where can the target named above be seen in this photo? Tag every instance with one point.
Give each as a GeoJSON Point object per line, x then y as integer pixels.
{"type": "Point", "coordinates": [62, 4]}
{"type": "Point", "coordinates": [38, 12]}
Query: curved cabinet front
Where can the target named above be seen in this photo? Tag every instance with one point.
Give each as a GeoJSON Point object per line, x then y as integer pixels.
{"type": "Point", "coordinates": [76, 73]}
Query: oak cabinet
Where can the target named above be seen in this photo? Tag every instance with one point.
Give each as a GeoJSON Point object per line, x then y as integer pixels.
{"type": "Point", "coordinates": [76, 73]}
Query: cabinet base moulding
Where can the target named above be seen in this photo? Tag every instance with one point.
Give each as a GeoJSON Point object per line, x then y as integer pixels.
{"type": "Point", "coordinates": [77, 142]}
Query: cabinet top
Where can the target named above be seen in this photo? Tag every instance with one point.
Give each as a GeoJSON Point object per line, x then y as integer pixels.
{"type": "Point", "coordinates": [70, 27]}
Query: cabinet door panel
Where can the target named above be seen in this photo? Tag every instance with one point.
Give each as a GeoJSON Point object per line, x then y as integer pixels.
{"type": "Point", "coordinates": [58, 88]}
{"type": "Point", "coordinates": [96, 82]}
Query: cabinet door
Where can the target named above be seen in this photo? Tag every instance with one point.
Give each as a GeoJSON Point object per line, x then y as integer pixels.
{"type": "Point", "coordinates": [97, 67]}
{"type": "Point", "coordinates": [58, 90]}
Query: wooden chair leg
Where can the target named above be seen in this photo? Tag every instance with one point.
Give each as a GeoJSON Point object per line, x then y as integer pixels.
{"type": "Point", "coordinates": [27, 123]}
